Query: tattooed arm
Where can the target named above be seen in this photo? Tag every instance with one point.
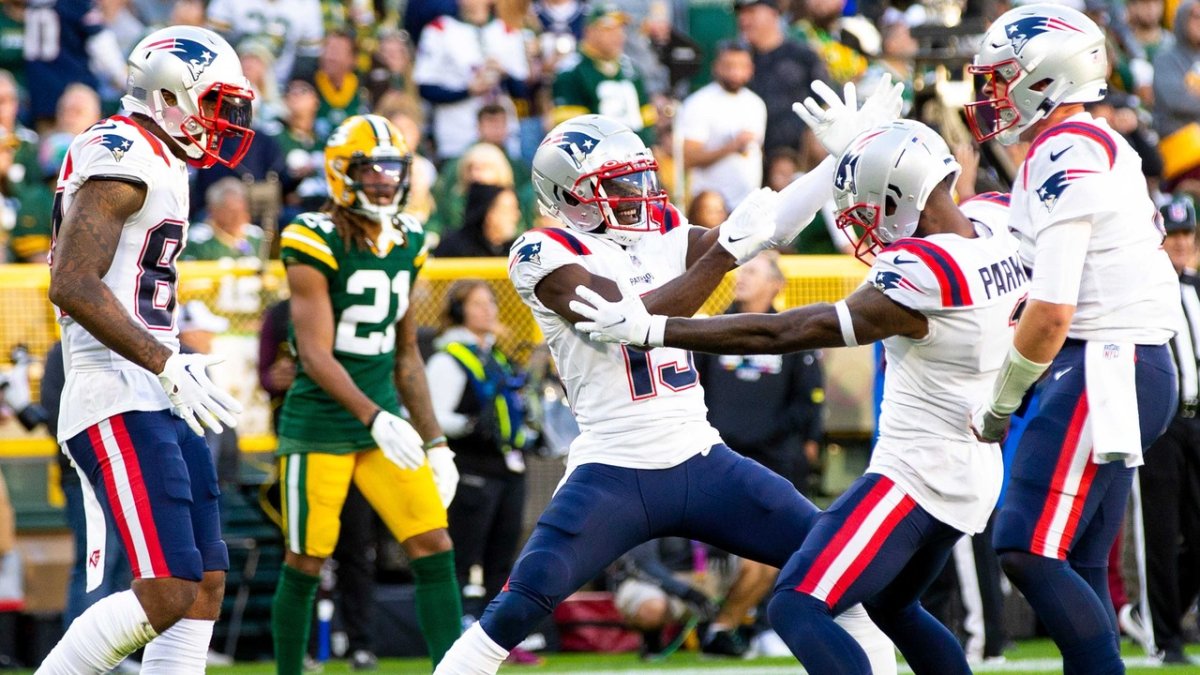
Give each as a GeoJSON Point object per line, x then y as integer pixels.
{"type": "Point", "coordinates": [83, 251]}
{"type": "Point", "coordinates": [410, 380]}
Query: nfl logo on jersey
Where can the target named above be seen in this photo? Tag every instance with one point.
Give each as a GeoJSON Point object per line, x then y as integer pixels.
{"type": "Point", "coordinates": [1112, 351]}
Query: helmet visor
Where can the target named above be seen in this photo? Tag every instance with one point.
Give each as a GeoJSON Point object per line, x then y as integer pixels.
{"type": "Point", "coordinates": [225, 115]}
{"type": "Point", "coordinates": [859, 222]}
{"type": "Point", "coordinates": [993, 110]}
{"type": "Point", "coordinates": [628, 195]}
{"type": "Point", "coordinates": [381, 181]}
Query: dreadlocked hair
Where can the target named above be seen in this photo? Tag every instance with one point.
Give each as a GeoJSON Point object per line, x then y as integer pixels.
{"type": "Point", "coordinates": [354, 228]}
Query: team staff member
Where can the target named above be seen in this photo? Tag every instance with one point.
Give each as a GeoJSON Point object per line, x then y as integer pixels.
{"type": "Point", "coordinates": [350, 268]}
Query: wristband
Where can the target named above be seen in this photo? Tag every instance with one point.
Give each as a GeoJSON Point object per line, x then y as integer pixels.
{"type": "Point", "coordinates": [434, 442]}
{"type": "Point", "coordinates": [378, 412]}
{"type": "Point", "coordinates": [846, 323]}
{"type": "Point", "coordinates": [658, 330]}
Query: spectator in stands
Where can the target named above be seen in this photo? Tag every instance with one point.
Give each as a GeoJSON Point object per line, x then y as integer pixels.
{"type": "Point", "coordinates": [264, 159]}
{"type": "Point", "coordinates": [599, 78]}
{"type": "Point", "coordinates": [276, 360]}
{"type": "Point", "coordinates": [493, 126]}
{"type": "Point", "coordinates": [784, 71]}
{"type": "Point", "coordinates": [258, 64]}
{"type": "Point", "coordinates": [405, 112]}
{"type": "Point", "coordinates": [26, 207]}
{"type": "Point", "coordinates": [80, 49]}
{"type": "Point", "coordinates": [126, 27]}
{"type": "Point", "coordinates": [301, 138]}
{"type": "Point", "coordinates": [707, 209]}
{"type": "Point", "coordinates": [12, 40]}
{"type": "Point", "coordinates": [562, 27]}
{"type": "Point", "coordinates": [338, 86]}
{"type": "Point", "coordinates": [723, 125]}
{"type": "Point", "coordinates": [1122, 112]}
{"type": "Point", "coordinates": [1177, 96]}
{"type": "Point", "coordinates": [676, 56]}
{"type": "Point", "coordinates": [820, 28]}
{"type": "Point", "coordinates": [490, 224]}
{"type": "Point", "coordinates": [228, 232]}
{"type": "Point", "coordinates": [475, 392]}
{"type": "Point", "coordinates": [654, 588]}
{"type": "Point", "coordinates": [482, 163]}
{"type": "Point", "coordinates": [184, 13]}
{"type": "Point", "coordinates": [769, 407]}
{"type": "Point", "coordinates": [293, 29]}
{"type": "Point", "coordinates": [1144, 19]}
{"type": "Point", "coordinates": [78, 108]}
{"type": "Point", "coordinates": [1170, 478]}
{"type": "Point", "coordinates": [898, 48]}
{"type": "Point", "coordinates": [464, 62]}
{"type": "Point", "coordinates": [391, 67]}
{"type": "Point", "coordinates": [26, 157]}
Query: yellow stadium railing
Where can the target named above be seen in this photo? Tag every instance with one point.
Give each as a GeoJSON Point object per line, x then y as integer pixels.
{"type": "Point", "coordinates": [240, 292]}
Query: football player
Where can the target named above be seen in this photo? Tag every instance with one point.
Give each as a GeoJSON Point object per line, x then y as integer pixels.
{"type": "Point", "coordinates": [132, 405]}
{"type": "Point", "coordinates": [1103, 303]}
{"type": "Point", "coordinates": [350, 269]}
{"type": "Point", "coordinates": [944, 288]}
{"type": "Point", "coordinates": [647, 464]}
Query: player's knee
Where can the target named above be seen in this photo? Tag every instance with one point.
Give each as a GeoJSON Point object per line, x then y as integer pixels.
{"type": "Point", "coordinates": [1020, 565]}
{"type": "Point", "coordinates": [306, 564]}
{"type": "Point", "coordinates": [545, 576]}
{"type": "Point", "coordinates": [789, 607]}
{"type": "Point", "coordinates": [427, 544]}
{"type": "Point", "coordinates": [166, 600]}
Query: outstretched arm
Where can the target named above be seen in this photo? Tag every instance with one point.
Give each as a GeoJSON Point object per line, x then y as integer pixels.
{"type": "Point", "coordinates": [873, 316]}
{"type": "Point", "coordinates": [84, 248]}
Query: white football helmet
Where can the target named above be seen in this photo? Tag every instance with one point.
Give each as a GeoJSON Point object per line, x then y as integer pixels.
{"type": "Point", "coordinates": [212, 97]}
{"type": "Point", "coordinates": [1033, 59]}
{"type": "Point", "coordinates": [593, 173]}
{"type": "Point", "coordinates": [883, 180]}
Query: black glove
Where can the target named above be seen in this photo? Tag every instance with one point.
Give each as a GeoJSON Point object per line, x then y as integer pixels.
{"type": "Point", "coordinates": [700, 605]}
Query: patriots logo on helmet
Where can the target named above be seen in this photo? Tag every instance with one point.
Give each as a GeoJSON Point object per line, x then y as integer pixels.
{"type": "Point", "coordinates": [1056, 184]}
{"type": "Point", "coordinates": [886, 280]}
{"type": "Point", "coordinates": [843, 178]}
{"type": "Point", "coordinates": [531, 252]}
{"type": "Point", "coordinates": [116, 143]}
{"type": "Point", "coordinates": [1021, 31]}
{"type": "Point", "coordinates": [576, 144]}
{"type": "Point", "coordinates": [197, 56]}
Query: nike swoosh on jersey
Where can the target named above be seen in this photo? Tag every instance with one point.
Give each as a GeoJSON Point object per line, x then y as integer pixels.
{"type": "Point", "coordinates": [1058, 375]}
{"type": "Point", "coordinates": [733, 240]}
{"type": "Point", "coordinates": [904, 261]}
{"type": "Point", "coordinates": [1055, 155]}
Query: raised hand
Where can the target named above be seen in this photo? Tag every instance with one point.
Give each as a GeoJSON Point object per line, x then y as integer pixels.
{"type": "Point", "coordinates": [836, 124]}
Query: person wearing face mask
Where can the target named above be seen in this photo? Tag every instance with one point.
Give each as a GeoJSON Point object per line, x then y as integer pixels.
{"type": "Point", "coordinates": [489, 224]}
{"type": "Point", "coordinates": [350, 269]}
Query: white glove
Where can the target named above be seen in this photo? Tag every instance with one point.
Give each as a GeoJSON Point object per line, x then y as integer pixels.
{"type": "Point", "coordinates": [751, 226]}
{"type": "Point", "coordinates": [989, 426]}
{"type": "Point", "coordinates": [398, 440]}
{"type": "Point", "coordinates": [625, 321]}
{"type": "Point", "coordinates": [194, 397]}
{"type": "Point", "coordinates": [445, 473]}
{"type": "Point", "coordinates": [842, 120]}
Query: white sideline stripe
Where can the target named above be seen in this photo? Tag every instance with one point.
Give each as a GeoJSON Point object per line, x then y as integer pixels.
{"type": "Point", "coordinates": [126, 507]}
{"type": "Point", "coordinates": [858, 543]}
{"type": "Point", "coordinates": [1023, 665]}
{"type": "Point", "coordinates": [1069, 491]}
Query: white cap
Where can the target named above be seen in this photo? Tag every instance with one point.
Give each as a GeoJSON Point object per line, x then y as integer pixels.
{"type": "Point", "coordinates": [196, 315]}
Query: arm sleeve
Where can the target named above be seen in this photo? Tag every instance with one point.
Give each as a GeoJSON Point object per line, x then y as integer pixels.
{"type": "Point", "coordinates": [1058, 262]}
{"type": "Point", "coordinates": [447, 381]}
{"type": "Point", "coordinates": [800, 201]}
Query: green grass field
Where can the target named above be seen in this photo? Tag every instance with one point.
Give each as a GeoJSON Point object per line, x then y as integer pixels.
{"type": "Point", "coordinates": [1029, 657]}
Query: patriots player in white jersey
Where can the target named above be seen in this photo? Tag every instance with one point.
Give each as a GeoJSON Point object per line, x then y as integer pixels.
{"type": "Point", "coordinates": [1103, 303]}
{"type": "Point", "coordinates": [941, 294]}
{"type": "Point", "coordinates": [647, 463]}
{"type": "Point", "coordinates": [133, 406]}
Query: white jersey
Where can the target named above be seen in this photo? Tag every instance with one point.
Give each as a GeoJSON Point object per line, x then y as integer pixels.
{"type": "Point", "coordinates": [99, 382]}
{"type": "Point", "coordinates": [636, 409]}
{"type": "Point", "coordinates": [291, 28]}
{"type": "Point", "coordinates": [969, 291]}
{"type": "Point", "coordinates": [1083, 170]}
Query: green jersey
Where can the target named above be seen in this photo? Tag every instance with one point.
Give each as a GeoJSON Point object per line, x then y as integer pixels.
{"type": "Point", "coordinates": [612, 88]}
{"type": "Point", "coordinates": [369, 295]}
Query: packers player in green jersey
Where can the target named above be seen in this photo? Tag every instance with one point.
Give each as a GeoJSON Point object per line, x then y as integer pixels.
{"type": "Point", "coordinates": [350, 269]}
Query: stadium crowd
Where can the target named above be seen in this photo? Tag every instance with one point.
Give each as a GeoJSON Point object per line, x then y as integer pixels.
{"type": "Point", "coordinates": [473, 86]}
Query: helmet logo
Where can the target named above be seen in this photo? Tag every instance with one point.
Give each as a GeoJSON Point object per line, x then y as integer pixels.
{"type": "Point", "coordinates": [1021, 31]}
{"type": "Point", "coordinates": [843, 179]}
{"type": "Point", "coordinates": [576, 144]}
{"type": "Point", "coordinates": [197, 56]}
{"type": "Point", "coordinates": [118, 145]}
{"type": "Point", "coordinates": [1057, 183]}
